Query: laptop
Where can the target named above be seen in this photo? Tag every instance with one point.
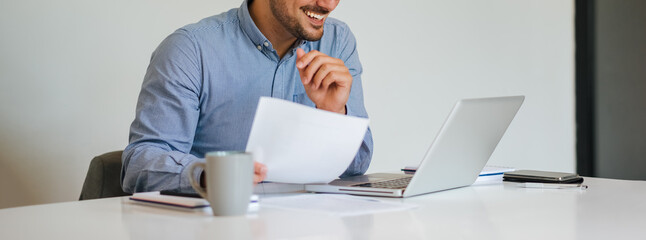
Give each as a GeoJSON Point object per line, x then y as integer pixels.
{"type": "Point", "coordinates": [459, 152]}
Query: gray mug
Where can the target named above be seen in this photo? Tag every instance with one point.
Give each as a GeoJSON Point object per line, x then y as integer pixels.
{"type": "Point", "coordinates": [229, 181]}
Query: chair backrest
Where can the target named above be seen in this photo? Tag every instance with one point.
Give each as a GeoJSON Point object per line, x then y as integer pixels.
{"type": "Point", "coordinates": [103, 177]}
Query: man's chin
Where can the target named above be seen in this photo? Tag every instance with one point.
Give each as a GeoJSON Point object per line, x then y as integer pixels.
{"type": "Point", "coordinates": [306, 31]}
{"type": "Point", "coordinates": [312, 36]}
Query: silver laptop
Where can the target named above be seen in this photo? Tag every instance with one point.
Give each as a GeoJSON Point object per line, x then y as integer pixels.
{"type": "Point", "coordinates": [458, 154]}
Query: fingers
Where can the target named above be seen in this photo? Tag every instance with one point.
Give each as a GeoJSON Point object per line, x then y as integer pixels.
{"type": "Point", "coordinates": [299, 54]}
{"type": "Point", "coordinates": [327, 74]}
{"type": "Point", "coordinates": [309, 63]}
{"type": "Point", "coordinates": [260, 172]}
{"type": "Point", "coordinates": [303, 59]}
{"type": "Point", "coordinates": [327, 80]}
{"type": "Point", "coordinates": [315, 66]}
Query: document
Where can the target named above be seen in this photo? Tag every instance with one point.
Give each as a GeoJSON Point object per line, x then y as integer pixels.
{"type": "Point", "coordinates": [301, 144]}
{"type": "Point", "coordinates": [333, 204]}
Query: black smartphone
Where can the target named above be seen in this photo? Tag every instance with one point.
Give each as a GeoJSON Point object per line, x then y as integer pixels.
{"type": "Point", "coordinates": [180, 194]}
{"type": "Point", "coordinates": [541, 177]}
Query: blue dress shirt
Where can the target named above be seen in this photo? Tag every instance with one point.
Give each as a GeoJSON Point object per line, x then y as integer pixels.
{"type": "Point", "coordinates": [201, 91]}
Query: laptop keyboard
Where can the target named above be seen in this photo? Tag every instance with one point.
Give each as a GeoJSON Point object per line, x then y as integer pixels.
{"type": "Point", "coordinates": [390, 184]}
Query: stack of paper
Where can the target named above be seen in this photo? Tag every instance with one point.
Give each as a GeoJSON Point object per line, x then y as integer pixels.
{"type": "Point", "coordinates": [300, 144]}
{"type": "Point", "coordinates": [492, 174]}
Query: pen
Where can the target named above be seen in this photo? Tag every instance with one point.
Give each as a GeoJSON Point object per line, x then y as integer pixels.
{"type": "Point", "coordinates": [552, 185]}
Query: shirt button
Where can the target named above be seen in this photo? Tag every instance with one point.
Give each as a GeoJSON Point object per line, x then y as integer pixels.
{"type": "Point", "coordinates": [259, 47]}
{"type": "Point", "coordinates": [266, 44]}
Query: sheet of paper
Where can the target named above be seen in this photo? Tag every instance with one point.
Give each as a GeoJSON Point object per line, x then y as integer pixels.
{"type": "Point", "coordinates": [301, 144]}
{"type": "Point", "coordinates": [333, 204]}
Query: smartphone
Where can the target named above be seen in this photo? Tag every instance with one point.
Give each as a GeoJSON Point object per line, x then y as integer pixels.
{"type": "Point", "coordinates": [180, 194]}
{"type": "Point", "coordinates": [541, 177]}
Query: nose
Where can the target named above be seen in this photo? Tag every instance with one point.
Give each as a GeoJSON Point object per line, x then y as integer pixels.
{"type": "Point", "coordinates": [328, 4]}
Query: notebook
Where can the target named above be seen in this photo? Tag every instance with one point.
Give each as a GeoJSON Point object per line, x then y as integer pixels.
{"type": "Point", "coordinates": [456, 157]}
{"type": "Point", "coordinates": [170, 200]}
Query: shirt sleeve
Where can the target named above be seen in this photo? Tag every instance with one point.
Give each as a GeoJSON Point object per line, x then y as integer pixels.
{"type": "Point", "coordinates": [355, 106]}
{"type": "Point", "coordinates": [162, 133]}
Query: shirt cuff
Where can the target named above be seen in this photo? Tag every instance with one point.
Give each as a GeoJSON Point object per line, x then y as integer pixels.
{"type": "Point", "coordinates": [184, 180]}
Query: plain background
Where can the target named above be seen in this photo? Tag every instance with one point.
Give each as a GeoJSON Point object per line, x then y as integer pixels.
{"type": "Point", "coordinates": [71, 71]}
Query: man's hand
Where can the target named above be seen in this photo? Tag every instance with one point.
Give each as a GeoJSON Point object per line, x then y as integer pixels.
{"type": "Point", "coordinates": [259, 172]}
{"type": "Point", "coordinates": [326, 79]}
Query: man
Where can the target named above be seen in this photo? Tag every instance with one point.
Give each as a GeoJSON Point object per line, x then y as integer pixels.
{"type": "Point", "coordinates": [204, 81]}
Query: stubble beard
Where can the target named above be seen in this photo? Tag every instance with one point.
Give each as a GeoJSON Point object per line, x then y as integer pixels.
{"type": "Point", "coordinates": [291, 24]}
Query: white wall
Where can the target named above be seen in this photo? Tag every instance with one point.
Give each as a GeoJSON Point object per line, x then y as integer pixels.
{"type": "Point", "coordinates": [70, 73]}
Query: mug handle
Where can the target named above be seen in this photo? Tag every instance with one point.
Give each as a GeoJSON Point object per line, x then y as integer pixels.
{"type": "Point", "coordinates": [199, 189]}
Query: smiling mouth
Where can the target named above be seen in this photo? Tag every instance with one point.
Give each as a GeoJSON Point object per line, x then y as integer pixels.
{"type": "Point", "coordinates": [314, 16]}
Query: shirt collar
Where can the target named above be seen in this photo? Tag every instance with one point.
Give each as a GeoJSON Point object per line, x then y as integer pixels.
{"type": "Point", "coordinates": [252, 31]}
{"type": "Point", "coordinates": [249, 27]}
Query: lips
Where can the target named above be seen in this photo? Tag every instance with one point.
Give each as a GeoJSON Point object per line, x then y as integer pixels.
{"type": "Point", "coordinates": [317, 19]}
{"type": "Point", "coordinates": [314, 15]}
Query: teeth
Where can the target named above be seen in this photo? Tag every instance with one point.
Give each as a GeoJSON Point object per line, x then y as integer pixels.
{"type": "Point", "coordinates": [314, 15]}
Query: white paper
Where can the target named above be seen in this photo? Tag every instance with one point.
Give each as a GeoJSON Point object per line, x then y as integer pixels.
{"type": "Point", "coordinates": [333, 204]}
{"type": "Point", "coordinates": [301, 144]}
{"type": "Point", "coordinates": [492, 175]}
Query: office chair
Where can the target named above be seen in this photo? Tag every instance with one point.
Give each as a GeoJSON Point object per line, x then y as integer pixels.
{"type": "Point", "coordinates": [103, 177]}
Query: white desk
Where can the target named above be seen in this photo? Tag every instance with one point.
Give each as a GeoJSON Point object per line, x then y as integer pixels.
{"type": "Point", "coordinates": [609, 209]}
